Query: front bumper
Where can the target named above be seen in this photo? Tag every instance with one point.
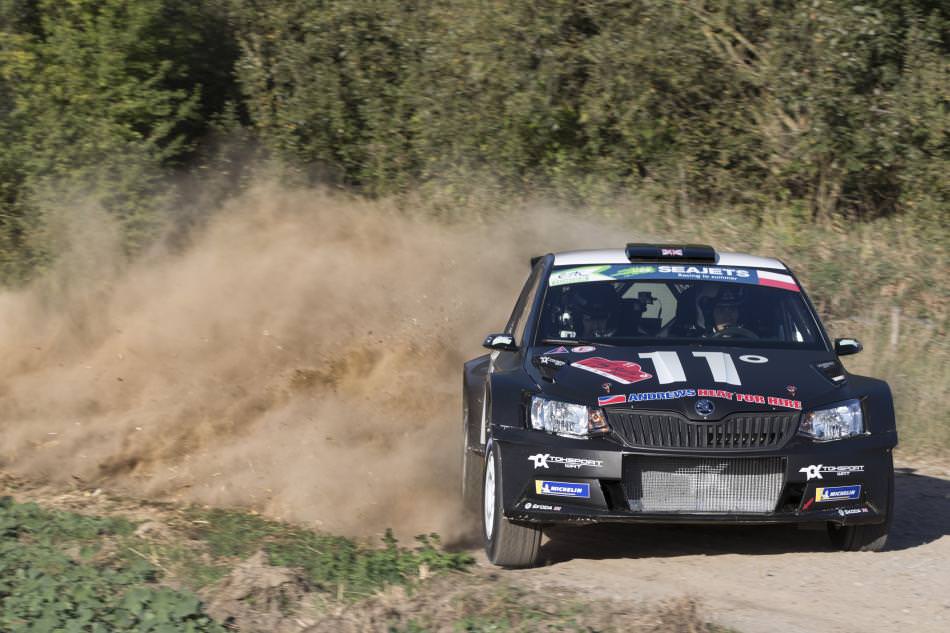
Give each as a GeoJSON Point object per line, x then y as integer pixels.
{"type": "Point", "coordinates": [550, 479]}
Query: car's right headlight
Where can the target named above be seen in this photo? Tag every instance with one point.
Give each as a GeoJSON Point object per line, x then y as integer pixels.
{"type": "Point", "coordinates": [564, 418]}
{"type": "Point", "coordinates": [834, 423]}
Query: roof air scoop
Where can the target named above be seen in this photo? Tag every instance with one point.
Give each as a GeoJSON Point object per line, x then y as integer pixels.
{"type": "Point", "coordinates": [671, 252]}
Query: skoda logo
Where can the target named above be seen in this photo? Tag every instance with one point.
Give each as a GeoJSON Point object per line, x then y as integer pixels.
{"type": "Point", "coordinates": [704, 407]}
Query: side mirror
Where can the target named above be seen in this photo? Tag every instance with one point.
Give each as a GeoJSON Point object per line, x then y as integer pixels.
{"type": "Point", "coordinates": [500, 342]}
{"type": "Point", "coordinates": [846, 346]}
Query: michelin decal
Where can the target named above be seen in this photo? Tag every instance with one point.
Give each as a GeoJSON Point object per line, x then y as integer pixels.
{"type": "Point", "coordinates": [562, 489]}
{"type": "Point", "coordinates": [838, 493]}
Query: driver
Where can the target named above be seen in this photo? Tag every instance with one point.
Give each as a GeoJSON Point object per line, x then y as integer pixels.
{"type": "Point", "coordinates": [597, 306]}
{"type": "Point", "coordinates": [725, 311]}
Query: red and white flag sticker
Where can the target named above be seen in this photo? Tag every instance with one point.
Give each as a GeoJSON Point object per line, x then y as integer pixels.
{"type": "Point", "coordinates": [623, 371]}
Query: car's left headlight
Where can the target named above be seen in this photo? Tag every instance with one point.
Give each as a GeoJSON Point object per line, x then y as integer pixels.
{"type": "Point", "coordinates": [834, 423]}
{"type": "Point", "coordinates": [565, 418]}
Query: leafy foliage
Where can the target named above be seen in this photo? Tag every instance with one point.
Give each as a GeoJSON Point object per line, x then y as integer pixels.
{"type": "Point", "coordinates": [332, 564]}
{"type": "Point", "coordinates": [71, 572]}
{"type": "Point", "coordinates": [710, 102]}
{"type": "Point", "coordinates": [44, 589]}
{"type": "Point", "coordinates": [104, 97]}
{"type": "Point", "coordinates": [835, 109]}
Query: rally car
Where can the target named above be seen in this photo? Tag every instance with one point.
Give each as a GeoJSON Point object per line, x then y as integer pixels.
{"type": "Point", "coordinates": [671, 383]}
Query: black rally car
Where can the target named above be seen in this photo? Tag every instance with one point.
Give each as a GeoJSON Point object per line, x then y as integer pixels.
{"type": "Point", "coordinates": [671, 383]}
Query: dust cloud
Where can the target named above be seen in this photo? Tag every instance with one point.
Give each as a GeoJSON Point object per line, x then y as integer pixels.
{"type": "Point", "coordinates": [302, 358]}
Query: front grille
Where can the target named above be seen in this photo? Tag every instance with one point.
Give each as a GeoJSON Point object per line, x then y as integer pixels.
{"type": "Point", "coordinates": [737, 431]}
{"type": "Point", "coordinates": [703, 485]}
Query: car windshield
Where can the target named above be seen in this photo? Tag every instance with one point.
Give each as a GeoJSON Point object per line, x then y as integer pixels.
{"type": "Point", "coordinates": [637, 304]}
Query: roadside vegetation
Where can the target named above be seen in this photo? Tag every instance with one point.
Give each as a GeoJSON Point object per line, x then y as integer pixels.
{"type": "Point", "coordinates": [819, 132]}
{"type": "Point", "coordinates": [78, 561]}
{"type": "Point", "coordinates": [823, 113]}
{"type": "Point", "coordinates": [63, 570]}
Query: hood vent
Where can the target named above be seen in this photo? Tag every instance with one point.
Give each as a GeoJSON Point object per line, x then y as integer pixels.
{"type": "Point", "coordinates": [833, 370]}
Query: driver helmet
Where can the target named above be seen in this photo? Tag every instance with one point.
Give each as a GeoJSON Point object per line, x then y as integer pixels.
{"type": "Point", "coordinates": [595, 306]}
{"type": "Point", "coordinates": [725, 310]}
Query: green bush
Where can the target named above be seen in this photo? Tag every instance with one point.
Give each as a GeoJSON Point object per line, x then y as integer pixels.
{"type": "Point", "coordinates": [789, 114]}
{"type": "Point", "coordinates": [841, 106]}
{"type": "Point", "coordinates": [105, 98]}
{"type": "Point", "coordinates": [44, 589]}
{"type": "Point", "coordinates": [332, 564]}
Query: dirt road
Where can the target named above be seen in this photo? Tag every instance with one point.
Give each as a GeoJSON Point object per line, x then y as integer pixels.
{"type": "Point", "coordinates": [758, 579]}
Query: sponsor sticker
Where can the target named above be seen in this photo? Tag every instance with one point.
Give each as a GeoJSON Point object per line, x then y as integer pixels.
{"type": "Point", "coordinates": [671, 252]}
{"type": "Point", "coordinates": [849, 511]}
{"type": "Point", "coordinates": [562, 489]}
{"type": "Point", "coordinates": [580, 275]}
{"type": "Point", "coordinates": [548, 361]}
{"type": "Point", "coordinates": [603, 401]}
{"type": "Point", "coordinates": [541, 506]}
{"type": "Point", "coordinates": [751, 398]}
{"type": "Point", "coordinates": [541, 460]}
{"type": "Point", "coordinates": [635, 271]}
{"type": "Point", "coordinates": [814, 471]}
{"type": "Point", "coordinates": [620, 272]}
{"type": "Point", "coordinates": [786, 403]}
{"type": "Point", "coordinates": [623, 371]}
{"type": "Point", "coordinates": [722, 394]}
{"type": "Point", "coordinates": [584, 349]}
{"type": "Point", "coordinates": [777, 280]}
{"type": "Point", "coordinates": [556, 350]}
{"type": "Point", "coordinates": [837, 493]}
{"type": "Point", "coordinates": [647, 396]}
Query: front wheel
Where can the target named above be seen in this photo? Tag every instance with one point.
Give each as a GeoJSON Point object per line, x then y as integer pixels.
{"type": "Point", "coordinates": [507, 544]}
{"type": "Point", "coordinates": [864, 538]}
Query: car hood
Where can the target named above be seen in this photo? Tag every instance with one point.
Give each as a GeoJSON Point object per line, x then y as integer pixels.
{"type": "Point", "coordinates": [729, 379]}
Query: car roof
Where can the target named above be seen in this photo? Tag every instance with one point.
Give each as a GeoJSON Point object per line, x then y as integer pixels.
{"type": "Point", "coordinates": [619, 256]}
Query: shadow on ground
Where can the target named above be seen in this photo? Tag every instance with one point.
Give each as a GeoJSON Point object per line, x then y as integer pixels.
{"type": "Point", "coordinates": [922, 515]}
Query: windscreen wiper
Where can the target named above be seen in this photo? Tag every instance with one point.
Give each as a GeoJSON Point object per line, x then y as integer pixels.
{"type": "Point", "coordinates": [566, 341]}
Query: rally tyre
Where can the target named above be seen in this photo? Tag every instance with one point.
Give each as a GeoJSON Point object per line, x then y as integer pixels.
{"type": "Point", "coordinates": [507, 544]}
{"type": "Point", "coordinates": [865, 538]}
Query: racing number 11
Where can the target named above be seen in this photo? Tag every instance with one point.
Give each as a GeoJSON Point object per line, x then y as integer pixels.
{"type": "Point", "coordinates": [723, 369]}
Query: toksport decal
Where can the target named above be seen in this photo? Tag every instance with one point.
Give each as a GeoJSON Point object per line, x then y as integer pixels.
{"type": "Point", "coordinates": [815, 471]}
{"type": "Point", "coordinates": [543, 460]}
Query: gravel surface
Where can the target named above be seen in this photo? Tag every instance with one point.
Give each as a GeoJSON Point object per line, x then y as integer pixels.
{"type": "Point", "coordinates": [773, 578]}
